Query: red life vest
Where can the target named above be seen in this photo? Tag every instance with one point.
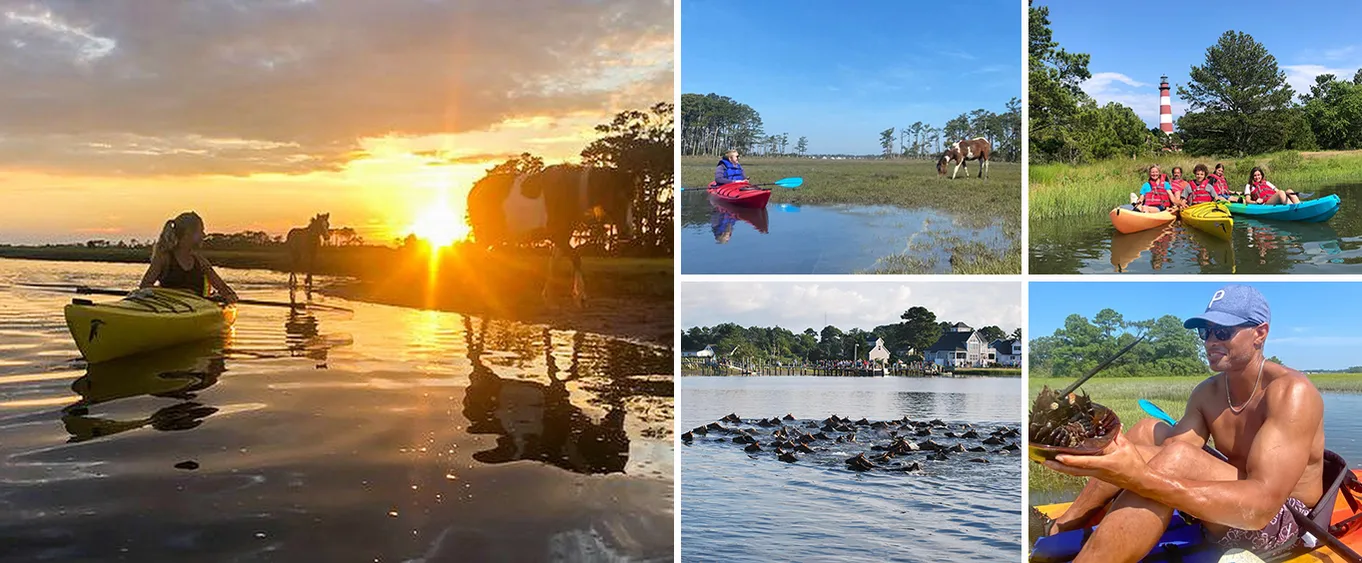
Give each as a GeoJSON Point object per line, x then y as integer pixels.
{"type": "Point", "coordinates": [1158, 195]}
{"type": "Point", "coordinates": [1220, 180]}
{"type": "Point", "coordinates": [1262, 190]}
{"type": "Point", "coordinates": [1203, 192]}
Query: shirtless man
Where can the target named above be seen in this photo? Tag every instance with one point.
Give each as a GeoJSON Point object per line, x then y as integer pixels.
{"type": "Point", "coordinates": [1268, 419]}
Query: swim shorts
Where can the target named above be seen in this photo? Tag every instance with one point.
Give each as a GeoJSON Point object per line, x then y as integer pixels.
{"type": "Point", "coordinates": [1281, 531]}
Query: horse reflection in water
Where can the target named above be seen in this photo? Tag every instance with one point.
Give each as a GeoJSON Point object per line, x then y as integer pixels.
{"type": "Point", "coordinates": [303, 337]}
{"type": "Point", "coordinates": [538, 422]}
{"type": "Point", "coordinates": [177, 374]}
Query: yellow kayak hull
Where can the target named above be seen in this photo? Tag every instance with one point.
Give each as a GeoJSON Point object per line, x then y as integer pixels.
{"type": "Point", "coordinates": [153, 319]}
{"type": "Point", "coordinates": [1352, 539]}
{"type": "Point", "coordinates": [1212, 218]}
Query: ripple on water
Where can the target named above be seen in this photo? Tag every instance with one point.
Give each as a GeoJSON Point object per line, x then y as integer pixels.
{"type": "Point", "coordinates": [306, 430]}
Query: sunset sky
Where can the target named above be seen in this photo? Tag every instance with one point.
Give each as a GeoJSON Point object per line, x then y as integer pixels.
{"type": "Point", "coordinates": [116, 115]}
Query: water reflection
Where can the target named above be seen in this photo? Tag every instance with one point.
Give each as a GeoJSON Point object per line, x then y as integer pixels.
{"type": "Point", "coordinates": [177, 374]}
{"type": "Point", "coordinates": [726, 216]}
{"type": "Point", "coordinates": [303, 338]}
{"type": "Point", "coordinates": [536, 421]}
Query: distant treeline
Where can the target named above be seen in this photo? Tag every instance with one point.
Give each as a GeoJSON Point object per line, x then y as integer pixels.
{"type": "Point", "coordinates": [918, 331]}
{"type": "Point", "coordinates": [712, 124]}
{"type": "Point", "coordinates": [1240, 105]}
{"type": "Point", "coordinates": [1168, 350]}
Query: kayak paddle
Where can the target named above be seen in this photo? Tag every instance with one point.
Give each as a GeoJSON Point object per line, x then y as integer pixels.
{"type": "Point", "coordinates": [783, 182]}
{"type": "Point", "coordinates": [1153, 410]}
{"type": "Point", "coordinates": [83, 290]}
{"type": "Point", "coordinates": [1100, 367]}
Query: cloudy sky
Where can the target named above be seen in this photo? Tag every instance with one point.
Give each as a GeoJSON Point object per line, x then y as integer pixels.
{"type": "Point", "coordinates": [867, 304]}
{"type": "Point", "coordinates": [1134, 42]}
{"type": "Point", "coordinates": [117, 114]}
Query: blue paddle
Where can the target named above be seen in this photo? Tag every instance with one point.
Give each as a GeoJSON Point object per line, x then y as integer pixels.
{"type": "Point", "coordinates": [1153, 410]}
{"type": "Point", "coordinates": [783, 182]}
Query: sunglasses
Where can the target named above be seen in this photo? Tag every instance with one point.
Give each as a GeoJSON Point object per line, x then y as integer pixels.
{"type": "Point", "coordinates": [1221, 333]}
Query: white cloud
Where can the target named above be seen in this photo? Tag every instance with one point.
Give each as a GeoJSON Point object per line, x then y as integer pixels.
{"type": "Point", "coordinates": [800, 305]}
{"type": "Point", "coordinates": [1302, 77]}
{"type": "Point", "coordinates": [1142, 97]}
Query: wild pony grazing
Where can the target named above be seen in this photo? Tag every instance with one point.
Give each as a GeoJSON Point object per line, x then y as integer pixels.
{"type": "Point", "coordinates": [509, 209]}
{"type": "Point", "coordinates": [961, 152]}
{"type": "Point", "coordinates": [302, 243]}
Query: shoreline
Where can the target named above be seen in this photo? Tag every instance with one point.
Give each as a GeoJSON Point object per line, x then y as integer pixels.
{"type": "Point", "coordinates": [1058, 191]}
{"type": "Point", "coordinates": [628, 298]}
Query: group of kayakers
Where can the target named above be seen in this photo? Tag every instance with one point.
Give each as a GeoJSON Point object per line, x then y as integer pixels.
{"type": "Point", "coordinates": [1161, 193]}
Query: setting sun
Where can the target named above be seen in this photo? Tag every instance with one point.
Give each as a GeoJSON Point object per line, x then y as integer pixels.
{"type": "Point", "coordinates": [440, 226]}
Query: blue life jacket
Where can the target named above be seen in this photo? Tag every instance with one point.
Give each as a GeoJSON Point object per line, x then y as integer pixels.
{"type": "Point", "coordinates": [732, 172]}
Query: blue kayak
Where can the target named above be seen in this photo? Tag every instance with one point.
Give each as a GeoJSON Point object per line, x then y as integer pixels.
{"type": "Point", "coordinates": [1312, 211]}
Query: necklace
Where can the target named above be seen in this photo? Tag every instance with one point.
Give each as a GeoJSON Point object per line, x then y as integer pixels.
{"type": "Point", "coordinates": [1230, 401]}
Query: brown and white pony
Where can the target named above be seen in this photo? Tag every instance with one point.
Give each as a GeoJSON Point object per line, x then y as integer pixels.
{"type": "Point", "coordinates": [302, 244]}
{"type": "Point", "coordinates": [510, 209]}
{"type": "Point", "coordinates": [961, 152]}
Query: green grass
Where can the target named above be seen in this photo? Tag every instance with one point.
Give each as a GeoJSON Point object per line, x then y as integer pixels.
{"type": "Point", "coordinates": [1122, 395]}
{"type": "Point", "coordinates": [1061, 190]}
{"type": "Point", "coordinates": [972, 203]}
{"type": "Point", "coordinates": [901, 182]}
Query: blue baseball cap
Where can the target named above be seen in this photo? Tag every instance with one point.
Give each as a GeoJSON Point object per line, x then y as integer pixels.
{"type": "Point", "coordinates": [1233, 305]}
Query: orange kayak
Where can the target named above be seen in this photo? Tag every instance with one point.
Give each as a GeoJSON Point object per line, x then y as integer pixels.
{"type": "Point", "coordinates": [1128, 221]}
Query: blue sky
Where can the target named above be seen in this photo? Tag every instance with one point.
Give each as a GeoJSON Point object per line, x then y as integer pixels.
{"type": "Point", "coordinates": [1314, 324]}
{"type": "Point", "coordinates": [1133, 43]}
{"type": "Point", "coordinates": [841, 73]}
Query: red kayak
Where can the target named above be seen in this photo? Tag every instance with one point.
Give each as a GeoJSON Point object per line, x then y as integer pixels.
{"type": "Point", "coordinates": [740, 194]}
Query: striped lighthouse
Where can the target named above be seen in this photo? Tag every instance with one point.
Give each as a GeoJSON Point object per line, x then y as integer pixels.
{"type": "Point", "coordinates": [1165, 107]}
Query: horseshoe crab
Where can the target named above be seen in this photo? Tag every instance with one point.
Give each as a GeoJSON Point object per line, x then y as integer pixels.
{"type": "Point", "coordinates": [1070, 424]}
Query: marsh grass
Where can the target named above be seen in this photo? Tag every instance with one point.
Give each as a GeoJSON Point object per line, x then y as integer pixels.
{"type": "Point", "coordinates": [899, 182]}
{"type": "Point", "coordinates": [1123, 394]}
{"type": "Point", "coordinates": [1061, 190]}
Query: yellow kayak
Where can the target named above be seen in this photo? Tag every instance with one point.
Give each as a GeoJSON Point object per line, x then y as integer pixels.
{"type": "Point", "coordinates": [1212, 217]}
{"type": "Point", "coordinates": [1344, 520]}
{"type": "Point", "coordinates": [150, 319]}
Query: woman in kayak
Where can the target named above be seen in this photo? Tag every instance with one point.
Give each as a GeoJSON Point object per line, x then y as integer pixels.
{"type": "Point", "coordinates": [1155, 195]}
{"type": "Point", "coordinates": [1259, 190]}
{"type": "Point", "coordinates": [729, 170]}
{"type": "Point", "coordinates": [1219, 176]}
{"type": "Point", "coordinates": [177, 264]}
{"type": "Point", "coordinates": [1203, 187]}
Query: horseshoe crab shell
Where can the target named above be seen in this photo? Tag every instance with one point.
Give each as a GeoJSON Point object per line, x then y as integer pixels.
{"type": "Point", "coordinates": [1070, 425]}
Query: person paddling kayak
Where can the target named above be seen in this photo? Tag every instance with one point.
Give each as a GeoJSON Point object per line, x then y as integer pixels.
{"type": "Point", "coordinates": [177, 264]}
{"type": "Point", "coordinates": [1259, 190]}
{"type": "Point", "coordinates": [1155, 195]}
{"type": "Point", "coordinates": [729, 170]}
{"type": "Point", "coordinates": [1266, 418]}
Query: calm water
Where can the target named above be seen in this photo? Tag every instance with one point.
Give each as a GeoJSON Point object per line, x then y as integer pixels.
{"type": "Point", "coordinates": [1091, 245]}
{"type": "Point", "coordinates": [812, 239]}
{"type": "Point", "coordinates": [389, 434]}
{"type": "Point", "coordinates": [738, 508]}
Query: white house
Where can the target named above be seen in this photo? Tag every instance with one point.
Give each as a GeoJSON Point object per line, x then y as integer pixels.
{"type": "Point", "coordinates": [879, 353]}
{"type": "Point", "coordinates": [1007, 351]}
{"type": "Point", "coordinates": [708, 352]}
{"type": "Point", "coordinates": [960, 346]}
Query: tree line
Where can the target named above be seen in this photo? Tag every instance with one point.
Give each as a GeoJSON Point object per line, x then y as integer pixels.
{"type": "Point", "coordinates": [1240, 104]}
{"type": "Point", "coordinates": [923, 140]}
{"type": "Point", "coordinates": [642, 142]}
{"type": "Point", "coordinates": [711, 124]}
{"type": "Point", "coordinates": [1082, 343]}
{"type": "Point", "coordinates": [918, 330]}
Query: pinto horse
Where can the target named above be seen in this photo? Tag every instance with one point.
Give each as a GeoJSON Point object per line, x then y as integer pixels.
{"type": "Point", "coordinates": [509, 209]}
{"type": "Point", "coordinates": [961, 152]}
{"type": "Point", "coordinates": [302, 243]}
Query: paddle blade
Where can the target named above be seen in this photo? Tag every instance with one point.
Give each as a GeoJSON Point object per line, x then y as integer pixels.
{"type": "Point", "coordinates": [789, 182]}
{"type": "Point", "coordinates": [1153, 410]}
{"type": "Point", "coordinates": [788, 207]}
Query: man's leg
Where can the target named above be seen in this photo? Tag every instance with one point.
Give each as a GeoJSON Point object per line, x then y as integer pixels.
{"type": "Point", "coordinates": [1133, 525]}
{"type": "Point", "coordinates": [1148, 434]}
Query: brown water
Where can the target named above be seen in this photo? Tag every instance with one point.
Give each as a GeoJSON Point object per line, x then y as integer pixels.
{"type": "Point", "coordinates": [386, 434]}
